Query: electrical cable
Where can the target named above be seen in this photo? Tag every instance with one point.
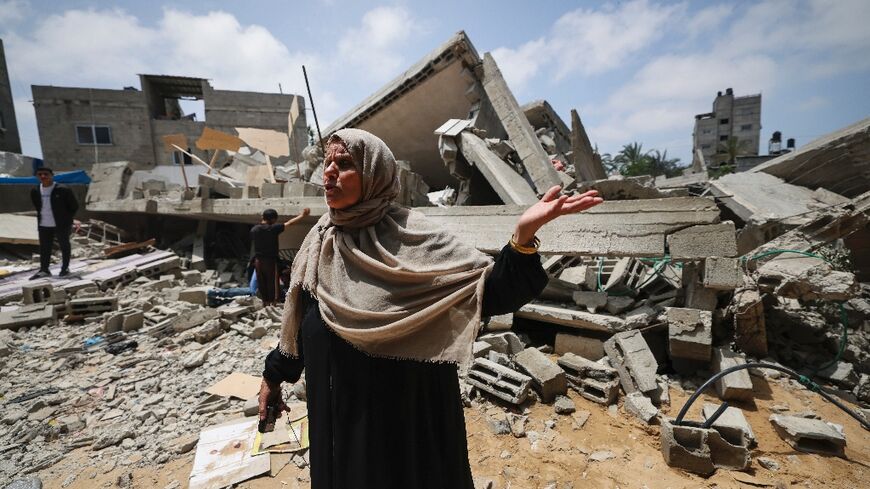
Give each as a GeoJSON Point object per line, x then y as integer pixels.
{"type": "Point", "coordinates": [803, 379]}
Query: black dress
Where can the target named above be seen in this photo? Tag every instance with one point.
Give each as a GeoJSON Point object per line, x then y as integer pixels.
{"type": "Point", "coordinates": [384, 423]}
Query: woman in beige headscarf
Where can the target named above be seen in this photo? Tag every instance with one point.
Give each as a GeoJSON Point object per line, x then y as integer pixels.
{"type": "Point", "coordinates": [382, 307]}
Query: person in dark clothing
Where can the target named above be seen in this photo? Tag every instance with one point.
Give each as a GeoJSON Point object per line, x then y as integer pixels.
{"type": "Point", "coordinates": [382, 307]}
{"type": "Point", "coordinates": [55, 206]}
{"type": "Point", "coordinates": [265, 239]}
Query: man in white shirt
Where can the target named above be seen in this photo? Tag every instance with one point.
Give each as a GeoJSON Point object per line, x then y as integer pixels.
{"type": "Point", "coordinates": [55, 207]}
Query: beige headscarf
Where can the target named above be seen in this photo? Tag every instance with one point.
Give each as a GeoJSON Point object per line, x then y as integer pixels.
{"type": "Point", "coordinates": [388, 281]}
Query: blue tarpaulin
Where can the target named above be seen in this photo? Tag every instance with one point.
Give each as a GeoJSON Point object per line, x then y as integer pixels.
{"type": "Point", "coordinates": [70, 177]}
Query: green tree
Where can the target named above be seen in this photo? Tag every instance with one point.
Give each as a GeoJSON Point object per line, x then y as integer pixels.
{"type": "Point", "coordinates": [662, 165]}
{"type": "Point", "coordinates": [731, 149]}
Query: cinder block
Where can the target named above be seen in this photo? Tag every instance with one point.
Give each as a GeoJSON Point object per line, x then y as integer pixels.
{"type": "Point", "coordinates": [701, 241]}
{"type": "Point", "coordinates": [631, 357]}
{"type": "Point", "coordinates": [722, 273]}
{"type": "Point", "coordinates": [500, 381]}
{"type": "Point", "coordinates": [700, 450]}
{"type": "Point", "coordinates": [195, 295]}
{"type": "Point", "coordinates": [731, 424]}
{"type": "Point", "coordinates": [810, 435]}
{"type": "Point", "coordinates": [92, 306]}
{"type": "Point", "coordinates": [592, 380]}
{"type": "Point", "coordinates": [128, 319]}
{"type": "Point", "coordinates": [507, 342]}
{"type": "Point", "coordinates": [736, 385]}
{"type": "Point", "coordinates": [690, 333]}
{"type": "Point", "coordinates": [546, 375]}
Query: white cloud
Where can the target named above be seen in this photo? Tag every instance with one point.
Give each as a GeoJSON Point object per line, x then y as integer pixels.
{"type": "Point", "coordinates": [708, 20]}
{"type": "Point", "coordinates": [372, 48]}
{"type": "Point", "coordinates": [12, 11]}
{"type": "Point", "coordinates": [813, 103]}
{"type": "Point", "coordinates": [518, 66]}
{"type": "Point", "coordinates": [592, 42]}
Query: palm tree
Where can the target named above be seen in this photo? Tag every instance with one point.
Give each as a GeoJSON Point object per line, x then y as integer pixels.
{"type": "Point", "coordinates": [660, 164]}
{"type": "Point", "coordinates": [733, 148]}
{"type": "Point", "coordinates": [631, 160]}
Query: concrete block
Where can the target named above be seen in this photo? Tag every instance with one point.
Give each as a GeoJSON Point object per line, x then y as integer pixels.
{"type": "Point", "coordinates": [750, 330]}
{"type": "Point", "coordinates": [191, 277]}
{"type": "Point", "coordinates": [618, 304]}
{"type": "Point", "coordinates": [810, 435]}
{"type": "Point", "coordinates": [547, 377]}
{"type": "Point", "coordinates": [592, 380]}
{"type": "Point", "coordinates": [194, 295]}
{"type": "Point", "coordinates": [630, 355]}
{"type": "Point", "coordinates": [592, 301]}
{"type": "Point", "coordinates": [499, 381]}
{"type": "Point", "coordinates": [585, 346]}
{"type": "Point", "coordinates": [722, 273]}
{"type": "Point", "coordinates": [29, 315]}
{"type": "Point", "coordinates": [127, 319]}
{"type": "Point", "coordinates": [641, 407]}
{"type": "Point", "coordinates": [700, 450]}
{"type": "Point", "coordinates": [270, 190]}
{"type": "Point", "coordinates": [690, 333]}
{"type": "Point", "coordinates": [702, 241]}
{"type": "Point", "coordinates": [736, 385]}
{"type": "Point", "coordinates": [572, 318]}
{"type": "Point", "coordinates": [695, 295]}
{"type": "Point", "coordinates": [42, 291]}
{"type": "Point", "coordinates": [159, 267]}
{"type": "Point", "coordinates": [842, 374]}
{"type": "Point", "coordinates": [92, 306]}
{"type": "Point", "coordinates": [731, 424]}
{"type": "Point", "coordinates": [507, 342]}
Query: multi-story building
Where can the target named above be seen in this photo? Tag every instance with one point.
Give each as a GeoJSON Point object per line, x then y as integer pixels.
{"type": "Point", "coordinates": [82, 126]}
{"type": "Point", "coordinates": [732, 117]}
{"type": "Point", "coordinates": [9, 138]}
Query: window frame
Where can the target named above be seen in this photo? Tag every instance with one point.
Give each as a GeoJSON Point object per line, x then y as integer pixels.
{"type": "Point", "coordinates": [93, 128]}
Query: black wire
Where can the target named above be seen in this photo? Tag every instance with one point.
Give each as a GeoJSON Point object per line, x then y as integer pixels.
{"type": "Point", "coordinates": [800, 378]}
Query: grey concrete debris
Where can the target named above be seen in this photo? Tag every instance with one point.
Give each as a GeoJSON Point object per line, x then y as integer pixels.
{"type": "Point", "coordinates": [592, 380]}
{"type": "Point", "coordinates": [700, 451]}
{"type": "Point", "coordinates": [630, 355]}
{"type": "Point", "coordinates": [586, 346]}
{"type": "Point", "coordinates": [641, 407]}
{"type": "Point", "coordinates": [690, 333]}
{"type": "Point", "coordinates": [27, 483]}
{"type": "Point", "coordinates": [508, 343]}
{"type": "Point", "coordinates": [564, 405]}
{"type": "Point", "coordinates": [700, 242]}
{"type": "Point", "coordinates": [736, 385]}
{"type": "Point", "coordinates": [500, 381]}
{"type": "Point", "coordinates": [592, 301]}
{"type": "Point", "coordinates": [810, 435]}
{"type": "Point", "coordinates": [750, 330]}
{"type": "Point", "coordinates": [722, 273]}
{"type": "Point", "coordinates": [807, 279]}
{"type": "Point", "coordinates": [731, 424]}
{"type": "Point", "coordinates": [768, 463]}
{"type": "Point", "coordinates": [547, 378]}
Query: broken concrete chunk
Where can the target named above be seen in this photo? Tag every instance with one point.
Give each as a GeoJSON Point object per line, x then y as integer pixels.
{"type": "Point", "coordinates": [630, 355]}
{"type": "Point", "coordinates": [500, 381]}
{"type": "Point", "coordinates": [546, 375]}
{"type": "Point", "coordinates": [700, 242]}
{"type": "Point", "coordinates": [690, 333]}
{"type": "Point", "coordinates": [810, 435]}
{"type": "Point", "coordinates": [618, 305]}
{"type": "Point", "coordinates": [194, 295]}
{"type": "Point", "coordinates": [731, 424]}
{"type": "Point", "coordinates": [508, 343]}
{"type": "Point", "coordinates": [736, 385]}
{"type": "Point", "coordinates": [30, 315]}
{"type": "Point", "coordinates": [480, 349]}
{"type": "Point", "coordinates": [750, 331]}
{"type": "Point", "coordinates": [585, 346]}
{"type": "Point", "coordinates": [641, 407]}
{"type": "Point", "coordinates": [592, 380]}
{"type": "Point", "coordinates": [722, 273]}
{"type": "Point", "coordinates": [807, 279]}
{"type": "Point", "coordinates": [700, 450]}
{"type": "Point", "coordinates": [571, 318]}
{"type": "Point", "coordinates": [564, 405]}
{"type": "Point", "coordinates": [592, 301]}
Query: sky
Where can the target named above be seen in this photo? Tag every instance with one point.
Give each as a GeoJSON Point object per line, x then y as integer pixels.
{"type": "Point", "coordinates": [636, 71]}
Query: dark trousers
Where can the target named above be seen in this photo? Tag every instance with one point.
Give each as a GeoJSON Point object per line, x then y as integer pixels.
{"type": "Point", "coordinates": [46, 240]}
{"type": "Point", "coordinates": [267, 279]}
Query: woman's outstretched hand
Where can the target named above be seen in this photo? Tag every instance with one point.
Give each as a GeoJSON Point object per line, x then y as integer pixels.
{"type": "Point", "coordinates": [551, 206]}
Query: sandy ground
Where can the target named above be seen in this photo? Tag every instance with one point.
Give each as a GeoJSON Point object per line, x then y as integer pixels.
{"type": "Point", "coordinates": [563, 457]}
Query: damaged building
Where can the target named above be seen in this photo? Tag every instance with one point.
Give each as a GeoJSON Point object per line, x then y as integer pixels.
{"type": "Point", "coordinates": [665, 284]}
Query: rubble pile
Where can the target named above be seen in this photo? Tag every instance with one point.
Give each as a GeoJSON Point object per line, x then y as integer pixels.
{"type": "Point", "coordinates": [665, 284]}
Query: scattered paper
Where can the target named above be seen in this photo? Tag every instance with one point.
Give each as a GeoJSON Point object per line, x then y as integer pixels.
{"type": "Point", "coordinates": [223, 456]}
{"type": "Point", "coordinates": [238, 385]}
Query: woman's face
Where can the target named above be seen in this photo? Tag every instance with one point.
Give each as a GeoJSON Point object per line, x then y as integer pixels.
{"type": "Point", "coordinates": [341, 179]}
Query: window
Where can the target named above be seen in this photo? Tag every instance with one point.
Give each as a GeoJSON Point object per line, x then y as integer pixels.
{"type": "Point", "coordinates": [178, 157]}
{"type": "Point", "coordinates": [746, 127]}
{"type": "Point", "coordinates": [723, 138]}
{"type": "Point", "coordinates": [706, 131]}
{"type": "Point", "coordinates": [723, 121]}
{"type": "Point", "coordinates": [705, 146]}
{"type": "Point", "coordinates": [99, 135]}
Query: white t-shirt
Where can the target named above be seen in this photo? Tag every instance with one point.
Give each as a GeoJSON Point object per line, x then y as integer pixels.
{"type": "Point", "coordinates": [46, 216]}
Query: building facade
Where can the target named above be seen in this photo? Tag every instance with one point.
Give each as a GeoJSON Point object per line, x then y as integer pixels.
{"type": "Point", "coordinates": [732, 117]}
{"type": "Point", "coordinates": [82, 126]}
{"type": "Point", "coordinates": [9, 138]}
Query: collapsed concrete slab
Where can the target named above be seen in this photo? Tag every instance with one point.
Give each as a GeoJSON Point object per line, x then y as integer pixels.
{"type": "Point", "coordinates": [586, 166]}
{"type": "Point", "coordinates": [699, 242]}
{"type": "Point", "coordinates": [586, 346]}
{"type": "Point", "coordinates": [572, 318]}
{"type": "Point", "coordinates": [807, 279]}
{"type": "Point", "coordinates": [839, 161]}
{"type": "Point", "coordinates": [810, 435]}
{"type": "Point", "coordinates": [510, 186]}
{"type": "Point", "coordinates": [759, 197]}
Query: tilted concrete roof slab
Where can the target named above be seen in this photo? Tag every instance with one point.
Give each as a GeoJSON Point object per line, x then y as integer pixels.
{"type": "Point", "coordinates": [839, 161]}
{"type": "Point", "coordinates": [407, 110]}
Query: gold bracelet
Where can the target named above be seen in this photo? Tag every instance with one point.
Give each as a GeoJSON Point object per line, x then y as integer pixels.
{"type": "Point", "coordinates": [526, 250]}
